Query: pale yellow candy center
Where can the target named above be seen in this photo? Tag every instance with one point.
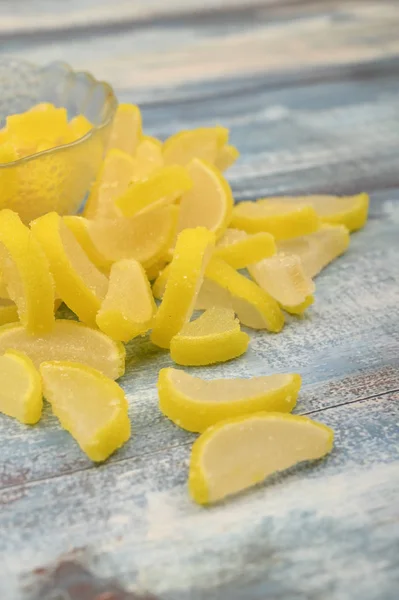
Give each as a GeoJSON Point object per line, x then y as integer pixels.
{"type": "Point", "coordinates": [226, 390]}
{"type": "Point", "coordinates": [243, 454]}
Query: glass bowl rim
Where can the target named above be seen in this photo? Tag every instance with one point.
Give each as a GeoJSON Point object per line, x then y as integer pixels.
{"type": "Point", "coordinates": [90, 133]}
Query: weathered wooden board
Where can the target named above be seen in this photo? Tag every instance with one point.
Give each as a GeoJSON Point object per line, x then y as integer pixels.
{"type": "Point", "coordinates": [327, 531]}
{"type": "Point", "coordinates": [53, 17]}
{"type": "Point", "coordinates": [75, 17]}
{"type": "Point", "coordinates": [311, 93]}
{"type": "Point", "coordinates": [228, 46]}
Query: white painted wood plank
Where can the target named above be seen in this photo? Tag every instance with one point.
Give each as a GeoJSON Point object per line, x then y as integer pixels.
{"type": "Point", "coordinates": [46, 15]}
{"type": "Point", "coordinates": [163, 58]}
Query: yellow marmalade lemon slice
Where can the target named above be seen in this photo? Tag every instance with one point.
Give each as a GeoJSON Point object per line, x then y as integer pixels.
{"type": "Point", "coordinates": [26, 274]}
{"type": "Point", "coordinates": [204, 143]}
{"type": "Point", "coordinates": [80, 227]}
{"type": "Point", "coordinates": [145, 237]}
{"type": "Point", "coordinates": [78, 127]}
{"type": "Point", "coordinates": [283, 277]}
{"type": "Point", "coordinates": [195, 404]}
{"type": "Point", "coordinates": [350, 211]}
{"type": "Point", "coordinates": [284, 220]}
{"type": "Point", "coordinates": [147, 158]}
{"type": "Point", "coordinates": [214, 337]}
{"type": "Point", "coordinates": [193, 250]}
{"type": "Point", "coordinates": [79, 283]}
{"type": "Point", "coordinates": [69, 340]}
{"type": "Point", "coordinates": [253, 306]}
{"type": "Point", "coordinates": [43, 126]}
{"type": "Point", "coordinates": [226, 157]}
{"type": "Point", "coordinates": [239, 249]}
{"type": "Point", "coordinates": [112, 181]}
{"type": "Point", "coordinates": [163, 186]}
{"type": "Point", "coordinates": [89, 405]}
{"type": "Point", "coordinates": [280, 276]}
{"type": "Point", "coordinates": [20, 388]}
{"type": "Point", "coordinates": [129, 306]}
{"type": "Point", "coordinates": [318, 249]}
{"type": "Point", "coordinates": [209, 203]}
{"type": "Point", "coordinates": [127, 129]}
{"type": "Point", "coordinates": [240, 452]}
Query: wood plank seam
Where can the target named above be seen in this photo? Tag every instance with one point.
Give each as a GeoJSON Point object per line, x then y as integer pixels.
{"type": "Point", "coordinates": [173, 446]}
{"type": "Point", "coordinates": [332, 406]}
{"type": "Point", "coordinates": [90, 467]}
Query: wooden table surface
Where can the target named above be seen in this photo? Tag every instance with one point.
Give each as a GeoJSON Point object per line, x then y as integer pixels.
{"type": "Point", "coordinates": [310, 91]}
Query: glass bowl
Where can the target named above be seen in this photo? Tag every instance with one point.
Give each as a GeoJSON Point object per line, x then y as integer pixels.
{"type": "Point", "coordinates": [59, 178]}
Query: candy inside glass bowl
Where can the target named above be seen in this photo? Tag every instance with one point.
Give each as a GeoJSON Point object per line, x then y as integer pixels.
{"type": "Point", "coordinates": [59, 178]}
